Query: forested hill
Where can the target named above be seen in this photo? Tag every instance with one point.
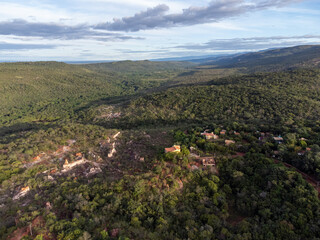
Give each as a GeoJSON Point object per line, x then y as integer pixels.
{"type": "Point", "coordinates": [85, 151]}
{"type": "Point", "coordinates": [46, 91]}
{"type": "Point", "coordinates": [271, 60]}
{"type": "Point", "coordinates": [139, 66]}
{"type": "Point", "coordinates": [49, 90]}
{"type": "Point", "coordinates": [261, 98]}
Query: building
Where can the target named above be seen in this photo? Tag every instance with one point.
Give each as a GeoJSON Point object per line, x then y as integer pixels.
{"type": "Point", "coordinates": [37, 158]}
{"type": "Point", "coordinates": [229, 142]}
{"type": "Point", "coordinates": [79, 156]}
{"type": "Point", "coordinates": [278, 139]}
{"type": "Point", "coordinates": [223, 132]}
{"type": "Point", "coordinates": [174, 148]}
{"type": "Point", "coordinates": [209, 135]}
{"type": "Point", "coordinates": [208, 161]}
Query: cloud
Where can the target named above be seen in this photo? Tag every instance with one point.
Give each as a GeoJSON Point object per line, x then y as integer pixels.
{"type": "Point", "coordinates": [149, 19]}
{"type": "Point", "coordinates": [18, 46]}
{"type": "Point", "coordinates": [254, 43]}
{"type": "Point", "coordinates": [217, 10]}
{"type": "Point", "coordinates": [152, 18]}
{"type": "Point", "coordinates": [141, 51]}
{"type": "Point", "coordinates": [20, 27]}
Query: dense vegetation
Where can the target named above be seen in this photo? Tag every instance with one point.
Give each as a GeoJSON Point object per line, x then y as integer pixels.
{"type": "Point", "coordinates": [82, 149]}
{"type": "Point", "coordinates": [290, 97]}
{"type": "Point", "coordinates": [46, 91]}
{"type": "Point", "coordinates": [251, 198]}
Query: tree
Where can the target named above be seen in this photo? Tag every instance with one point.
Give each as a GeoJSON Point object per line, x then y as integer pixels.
{"type": "Point", "coordinates": [85, 236]}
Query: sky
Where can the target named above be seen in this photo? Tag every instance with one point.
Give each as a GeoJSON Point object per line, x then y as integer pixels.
{"type": "Point", "coordinates": [89, 30]}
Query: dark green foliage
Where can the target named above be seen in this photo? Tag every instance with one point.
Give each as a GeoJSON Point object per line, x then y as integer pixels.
{"type": "Point", "coordinates": [47, 91]}
{"type": "Point", "coordinates": [279, 203]}
{"type": "Point", "coordinates": [261, 98]}
{"type": "Point", "coordinates": [248, 195]}
{"type": "Point", "coordinates": [139, 67]}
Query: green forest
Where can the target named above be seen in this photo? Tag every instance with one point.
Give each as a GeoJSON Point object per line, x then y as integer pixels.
{"type": "Point", "coordinates": [84, 149]}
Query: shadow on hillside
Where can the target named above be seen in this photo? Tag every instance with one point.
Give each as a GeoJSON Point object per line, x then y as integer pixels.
{"type": "Point", "coordinates": [122, 100]}
{"type": "Point", "coordinates": [184, 123]}
{"type": "Point", "coordinates": [108, 101]}
{"type": "Point", "coordinates": [127, 98]}
{"type": "Point", "coordinates": [185, 74]}
{"type": "Point", "coordinates": [13, 132]}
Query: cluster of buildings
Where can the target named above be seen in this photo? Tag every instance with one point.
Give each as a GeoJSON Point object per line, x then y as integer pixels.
{"type": "Point", "coordinates": [205, 161]}
{"type": "Point", "coordinates": [209, 160]}
{"type": "Point", "coordinates": [174, 148]}
{"type": "Point", "coordinates": [211, 135]}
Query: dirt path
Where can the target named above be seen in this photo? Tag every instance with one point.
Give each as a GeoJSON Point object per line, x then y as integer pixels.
{"type": "Point", "coordinates": [113, 151]}
{"type": "Point", "coordinates": [116, 135]}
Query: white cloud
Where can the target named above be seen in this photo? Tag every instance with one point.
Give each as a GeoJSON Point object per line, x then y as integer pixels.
{"type": "Point", "coordinates": [159, 16]}
{"type": "Point", "coordinates": [253, 43]}
{"type": "Point", "coordinates": [13, 10]}
{"type": "Point", "coordinates": [68, 26]}
{"type": "Point", "coordinates": [141, 4]}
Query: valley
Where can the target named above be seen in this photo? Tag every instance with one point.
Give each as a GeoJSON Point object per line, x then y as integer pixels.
{"type": "Point", "coordinates": [219, 149]}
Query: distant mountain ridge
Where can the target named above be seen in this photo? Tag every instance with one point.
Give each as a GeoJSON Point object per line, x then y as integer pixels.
{"type": "Point", "coordinates": [275, 59]}
{"type": "Point", "coordinates": [139, 66]}
{"type": "Point", "coordinates": [193, 59]}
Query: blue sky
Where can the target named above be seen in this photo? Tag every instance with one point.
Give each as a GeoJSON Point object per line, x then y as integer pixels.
{"type": "Point", "coordinates": [71, 30]}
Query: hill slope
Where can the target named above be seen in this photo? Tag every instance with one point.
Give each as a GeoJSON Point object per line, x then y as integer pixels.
{"type": "Point", "coordinates": [264, 98]}
{"type": "Point", "coordinates": [80, 178]}
{"type": "Point", "coordinates": [277, 59]}
{"type": "Point", "coordinates": [139, 66]}
{"type": "Point", "coordinates": [49, 90]}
